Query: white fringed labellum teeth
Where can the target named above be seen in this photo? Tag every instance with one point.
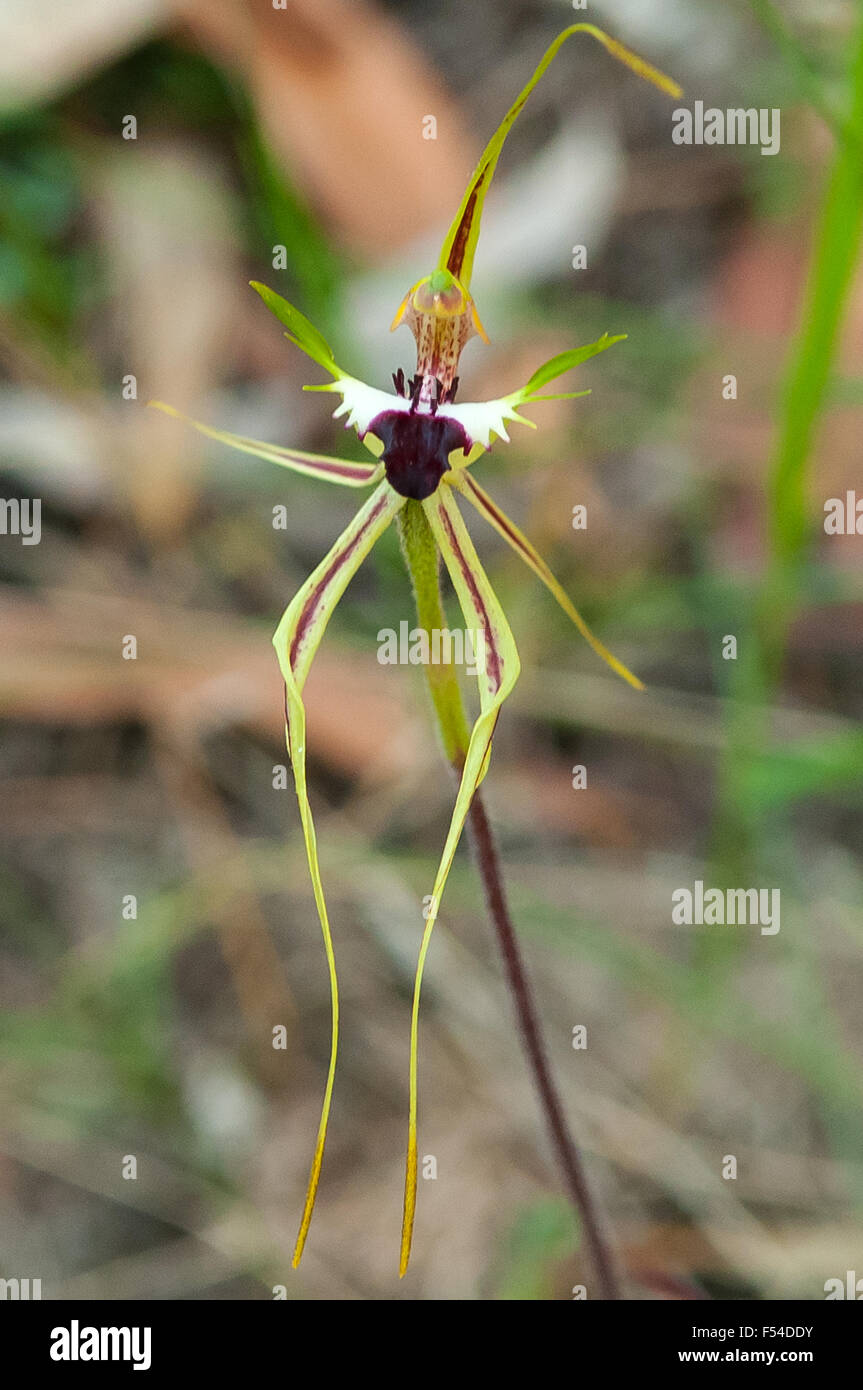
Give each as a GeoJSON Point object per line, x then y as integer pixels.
{"type": "Point", "coordinates": [481, 421]}
{"type": "Point", "coordinates": [361, 403]}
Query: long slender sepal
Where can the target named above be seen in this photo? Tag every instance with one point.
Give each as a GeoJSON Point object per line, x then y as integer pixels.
{"type": "Point", "coordinates": [331, 470]}
{"type": "Point", "coordinates": [471, 489]}
{"type": "Point", "coordinates": [459, 248]}
{"type": "Point", "coordinates": [297, 638]}
{"type": "Point", "coordinates": [497, 673]}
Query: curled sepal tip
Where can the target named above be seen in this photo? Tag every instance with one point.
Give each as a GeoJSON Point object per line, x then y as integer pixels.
{"type": "Point", "coordinates": [459, 248]}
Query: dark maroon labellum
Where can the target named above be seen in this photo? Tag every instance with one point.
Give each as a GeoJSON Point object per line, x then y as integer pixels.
{"type": "Point", "coordinates": [416, 449]}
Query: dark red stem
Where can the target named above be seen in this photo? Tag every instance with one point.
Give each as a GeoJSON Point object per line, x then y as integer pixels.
{"type": "Point", "coordinates": [564, 1145]}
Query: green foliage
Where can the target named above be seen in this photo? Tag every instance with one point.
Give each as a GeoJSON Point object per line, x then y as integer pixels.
{"type": "Point", "coordinates": [543, 1234]}
{"type": "Point", "coordinates": [41, 280]}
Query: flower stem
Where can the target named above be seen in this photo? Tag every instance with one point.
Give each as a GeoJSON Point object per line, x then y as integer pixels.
{"type": "Point", "coordinates": [422, 561]}
{"type": "Point", "coordinates": [565, 1146]}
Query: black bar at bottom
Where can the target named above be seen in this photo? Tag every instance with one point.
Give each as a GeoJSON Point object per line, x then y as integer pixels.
{"type": "Point", "coordinates": [225, 1339]}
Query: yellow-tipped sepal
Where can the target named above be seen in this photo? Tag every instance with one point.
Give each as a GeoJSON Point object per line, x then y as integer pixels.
{"type": "Point", "coordinates": [297, 638]}
{"type": "Point", "coordinates": [459, 248]}
{"type": "Point", "coordinates": [471, 489]}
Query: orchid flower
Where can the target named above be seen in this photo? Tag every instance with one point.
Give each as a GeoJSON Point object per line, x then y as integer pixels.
{"type": "Point", "coordinates": [424, 441]}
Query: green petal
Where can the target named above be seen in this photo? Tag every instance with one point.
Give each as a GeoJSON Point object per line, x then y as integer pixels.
{"type": "Point", "coordinates": [482, 613]}
{"type": "Point", "coordinates": [563, 362]}
{"type": "Point", "coordinates": [302, 334]}
{"type": "Point", "coordinates": [522, 546]}
{"type": "Point", "coordinates": [297, 638]}
{"type": "Point", "coordinates": [331, 470]}
{"type": "Point", "coordinates": [459, 247]}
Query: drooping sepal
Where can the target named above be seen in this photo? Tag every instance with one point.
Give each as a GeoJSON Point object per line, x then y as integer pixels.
{"type": "Point", "coordinates": [471, 489]}
{"type": "Point", "coordinates": [296, 640]}
{"type": "Point", "coordinates": [497, 671]}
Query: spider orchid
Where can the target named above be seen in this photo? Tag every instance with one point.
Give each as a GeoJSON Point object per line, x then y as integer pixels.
{"type": "Point", "coordinates": [423, 441]}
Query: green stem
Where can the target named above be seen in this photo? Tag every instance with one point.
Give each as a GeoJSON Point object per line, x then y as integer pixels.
{"type": "Point", "coordinates": [834, 258]}
{"type": "Point", "coordinates": [809, 79]}
{"type": "Point", "coordinates": [421, 557]}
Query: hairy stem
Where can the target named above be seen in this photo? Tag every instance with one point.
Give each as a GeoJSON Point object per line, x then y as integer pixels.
{"type": "Point", "coordinates": [422, 560]}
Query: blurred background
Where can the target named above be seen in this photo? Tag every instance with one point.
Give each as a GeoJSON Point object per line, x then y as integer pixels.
{"type": "Point", "coordinates": [156, 914]}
